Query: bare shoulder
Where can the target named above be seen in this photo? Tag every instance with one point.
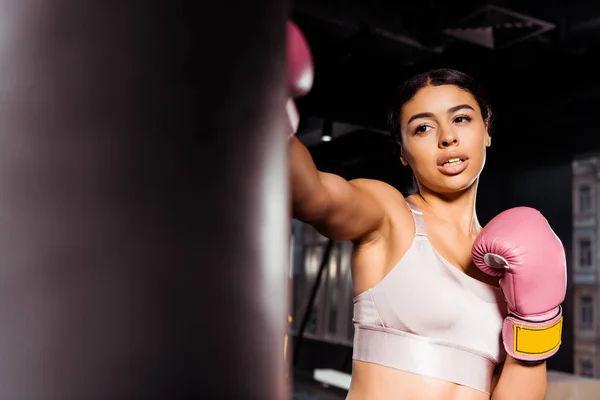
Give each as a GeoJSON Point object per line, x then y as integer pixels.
{"type": "Point", "coordinates": [388, 197]}
{"type": "Point", "coordinates": [376, 188]}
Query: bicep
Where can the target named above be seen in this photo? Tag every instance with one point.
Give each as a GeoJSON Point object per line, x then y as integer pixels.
{"type": "Point", "coordinates": [352, 210]}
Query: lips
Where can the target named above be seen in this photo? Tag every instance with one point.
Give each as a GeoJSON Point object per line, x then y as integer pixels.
{"type": "Point", "coordinates": [444, 158]}
{"type": "Point", "coordinates": [452, 163]}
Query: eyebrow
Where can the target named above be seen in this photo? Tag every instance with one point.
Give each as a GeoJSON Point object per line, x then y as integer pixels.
{"type": "Point", "coordinates": [429, 115]}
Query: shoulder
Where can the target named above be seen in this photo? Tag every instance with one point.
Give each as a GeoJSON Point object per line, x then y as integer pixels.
{"type": "Point", "coordinates": [392, 201]}
{"type": "Point", "coordinates": [376, 188]}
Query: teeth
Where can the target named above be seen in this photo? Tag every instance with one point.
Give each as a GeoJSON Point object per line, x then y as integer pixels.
{"type": "Point", "coordinates": [453, 161]}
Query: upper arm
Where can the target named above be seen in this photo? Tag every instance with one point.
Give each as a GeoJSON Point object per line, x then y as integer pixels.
{"type": "Point", "coordinates": [349, 210]}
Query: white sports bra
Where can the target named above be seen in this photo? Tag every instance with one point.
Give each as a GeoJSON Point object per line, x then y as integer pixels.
{"type": "Point", "coordinates": [429, 318]}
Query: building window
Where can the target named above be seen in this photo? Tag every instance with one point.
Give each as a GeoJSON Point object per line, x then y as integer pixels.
{"type": "Point", "coordinates": [587, 312]}
{"type": "Point", "coordinates": [585, 199]}
{"type": "Point", "coordinates": [586, 366]}
{"type": "Point", "coordinates": [585, 253]}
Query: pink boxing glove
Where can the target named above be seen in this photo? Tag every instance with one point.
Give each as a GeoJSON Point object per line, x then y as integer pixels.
{"type": "Point", "coordinates": [300, 73]}
{"type": "Point", "coordinates": [519, 245]}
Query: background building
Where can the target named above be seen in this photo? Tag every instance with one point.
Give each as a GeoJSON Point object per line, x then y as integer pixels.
{"type": "Point", "coordinates": [585, 264]}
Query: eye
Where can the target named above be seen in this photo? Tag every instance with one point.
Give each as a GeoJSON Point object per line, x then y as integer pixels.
{"type": "Point", "coordinates": [422, 129]}
{"type": "Point", "coordinates": [461, 119]}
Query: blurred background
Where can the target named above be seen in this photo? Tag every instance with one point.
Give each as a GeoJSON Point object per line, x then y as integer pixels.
{"type": "Point", "coordinates": [537, 61]}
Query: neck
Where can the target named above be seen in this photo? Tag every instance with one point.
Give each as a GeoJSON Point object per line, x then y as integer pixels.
{"type": "Point", "coordinates": [457, 208]}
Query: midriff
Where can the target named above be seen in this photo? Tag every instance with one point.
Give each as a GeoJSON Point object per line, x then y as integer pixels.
{"type": "Point", "coordinates": [372, 381]}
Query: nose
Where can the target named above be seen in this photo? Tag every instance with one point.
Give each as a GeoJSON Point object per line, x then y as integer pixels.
{"type": "Point", "coordinates": [448, 138]}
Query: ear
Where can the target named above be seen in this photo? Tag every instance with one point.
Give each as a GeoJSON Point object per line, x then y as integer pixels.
{"type": "Point", "coordinates": [488, 139]}
{"type": "Point", "coordinates": [403, 160]}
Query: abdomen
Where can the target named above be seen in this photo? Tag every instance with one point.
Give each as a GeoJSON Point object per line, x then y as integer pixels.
{"type": "Point", "coordinates": [372, 381]}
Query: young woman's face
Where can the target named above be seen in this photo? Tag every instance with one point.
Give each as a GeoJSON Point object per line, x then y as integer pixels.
{"type": "Point", "coordinates": [444, 138]}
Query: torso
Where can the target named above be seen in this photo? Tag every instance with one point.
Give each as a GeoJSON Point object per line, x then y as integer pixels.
{"type": "Point", "coordinates": [372, 381]}
{"type": "Point", "coordinates": [372, 261]}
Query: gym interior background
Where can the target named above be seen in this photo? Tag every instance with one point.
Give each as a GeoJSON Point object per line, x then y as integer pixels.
{"type": "Point", "coordinates": [142, 153]}
{"type": "Point", "coordinates": [537, 60]}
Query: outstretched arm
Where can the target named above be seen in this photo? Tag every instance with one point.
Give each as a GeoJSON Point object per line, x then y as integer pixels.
{"type": "Point", "coordinates": [337, 208]}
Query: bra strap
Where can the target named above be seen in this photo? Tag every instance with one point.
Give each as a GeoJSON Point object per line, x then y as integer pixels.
{"type": "Point", "coordinates": [418, 217]}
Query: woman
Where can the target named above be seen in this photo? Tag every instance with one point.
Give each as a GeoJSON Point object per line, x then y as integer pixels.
{"type": "Point", "coordinates": [412, 261]}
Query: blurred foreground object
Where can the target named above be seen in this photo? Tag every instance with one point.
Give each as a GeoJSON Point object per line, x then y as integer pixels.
{"type": "Point", "coordinates": [143, 203]}
{"type": "Point", "coordinates": [300, 72]}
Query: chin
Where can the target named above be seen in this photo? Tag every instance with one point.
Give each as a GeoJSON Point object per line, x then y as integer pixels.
{"type": "Point", "coordinates": [453, 184]}
{"type": "Point", "coordinates": [438, 182]}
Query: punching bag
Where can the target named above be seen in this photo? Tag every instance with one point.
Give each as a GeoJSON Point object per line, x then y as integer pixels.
{"type": "Point", "coordinates": [143, 200]}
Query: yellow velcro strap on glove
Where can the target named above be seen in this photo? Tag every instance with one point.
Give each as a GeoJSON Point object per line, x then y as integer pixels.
{"type": "Point", "coordinates": [537, 341]}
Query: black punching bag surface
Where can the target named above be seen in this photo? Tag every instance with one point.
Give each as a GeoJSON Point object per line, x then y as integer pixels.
{"type": "Point", "coordinates": [143, 200]}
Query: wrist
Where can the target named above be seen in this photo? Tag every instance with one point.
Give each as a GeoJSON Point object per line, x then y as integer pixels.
{"type": "Point", "coordinates": [532, 341]}
{"type": "Point", "coordinates": [537, 318]}
{"type": "Point", "coordinates": [530, 363]}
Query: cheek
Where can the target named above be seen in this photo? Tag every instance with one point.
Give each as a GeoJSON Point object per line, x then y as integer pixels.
{"type": "Point", "coordinates": [422, 163]}
{"type": "Point", "coordinates": [483, 145]}
{"type": "Point", "coordinates": [475, 141]}
{"type": "Point", "coordinates": [421, 152]}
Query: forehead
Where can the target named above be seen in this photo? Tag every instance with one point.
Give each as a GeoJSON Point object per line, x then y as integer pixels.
{"type": "Point", "coordinates": [437, 99]}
